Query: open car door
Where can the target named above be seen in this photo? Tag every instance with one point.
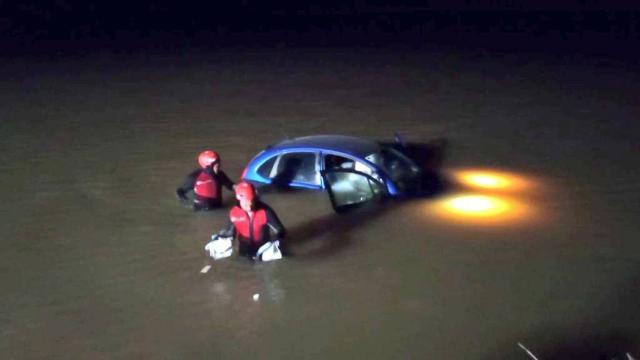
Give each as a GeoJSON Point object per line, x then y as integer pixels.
{"type": "Point", "coordinates": [349, 189]}
{"type": "Point", "coordinates": [426, 157]}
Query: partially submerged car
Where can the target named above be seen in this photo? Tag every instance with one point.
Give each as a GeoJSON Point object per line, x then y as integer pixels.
{"type": "Point", "coordinates": [352, 170]}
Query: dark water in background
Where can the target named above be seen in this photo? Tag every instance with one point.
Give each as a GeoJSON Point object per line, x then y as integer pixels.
{"type": "Point", "coordinates": [100, 261]}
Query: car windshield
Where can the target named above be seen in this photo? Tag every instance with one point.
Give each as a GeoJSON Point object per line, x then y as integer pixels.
{"type": "Point", "coordinates": [401, 170]}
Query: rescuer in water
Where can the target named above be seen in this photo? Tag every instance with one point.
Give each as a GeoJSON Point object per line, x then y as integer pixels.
{"type": "Point", "coordinates": [206, 183]}
{"type": "Point", "coordinates": [255, 225]}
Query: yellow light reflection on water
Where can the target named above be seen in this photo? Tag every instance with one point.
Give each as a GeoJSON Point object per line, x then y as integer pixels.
{"type": "Point", "coordinates": [481, 209]}
{"type": "Point", "coordinates": [477, 205]}
{"type": "Point", "coordinates": [480, 198]}
{"type": "Point", "coordinates": [491, 180]}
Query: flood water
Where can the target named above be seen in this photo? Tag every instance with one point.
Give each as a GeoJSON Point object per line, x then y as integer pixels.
{"type": "Point", "coordinates": [99, 260]}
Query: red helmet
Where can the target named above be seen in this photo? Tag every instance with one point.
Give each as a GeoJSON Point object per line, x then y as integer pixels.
{"type": "Point", "coordinates": [207, 158]}
{"type": "Point", "coordinates": [244, 190]}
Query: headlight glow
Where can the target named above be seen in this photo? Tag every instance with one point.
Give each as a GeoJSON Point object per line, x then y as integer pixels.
{"type": "Point", "coordinates": [491, 180]}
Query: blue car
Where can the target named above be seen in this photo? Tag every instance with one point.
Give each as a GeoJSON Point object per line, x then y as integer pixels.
{"type": "Point", "coordinates": [353, 170]}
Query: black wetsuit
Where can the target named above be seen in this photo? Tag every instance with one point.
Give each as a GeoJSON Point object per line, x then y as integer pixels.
{"type": "Point", "coordinates": [201, 202]}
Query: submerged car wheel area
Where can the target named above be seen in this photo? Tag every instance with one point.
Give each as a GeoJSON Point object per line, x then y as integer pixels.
{"type": "Point", "coordinates": [352, 170]}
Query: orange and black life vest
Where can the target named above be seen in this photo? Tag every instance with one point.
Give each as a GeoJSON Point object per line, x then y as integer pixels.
{"type": "Point", "coordinates": [250, 229]}
{"type": "Point", "coordinates": [207, 186]}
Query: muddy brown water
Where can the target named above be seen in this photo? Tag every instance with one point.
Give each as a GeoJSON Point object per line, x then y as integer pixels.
{"type": "Point", "coordinates": [99, 260]}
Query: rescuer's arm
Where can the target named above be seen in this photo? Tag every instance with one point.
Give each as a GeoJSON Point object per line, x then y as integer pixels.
{"type": "Point", "coordinates": [225, 181]}
{"type": "Point", "coordinates": [188, 184]}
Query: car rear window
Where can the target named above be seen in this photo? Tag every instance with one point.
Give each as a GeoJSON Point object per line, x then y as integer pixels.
{"type": "Point", "coordinates": [265, 169]}
{"type": "Point", "coordinates": [298, 167]}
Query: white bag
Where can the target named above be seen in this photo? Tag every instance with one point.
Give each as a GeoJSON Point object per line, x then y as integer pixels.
{"type": "Point", "coordinates": [269, 251]}
{"type": "Point", "coordinates": [219, 248]}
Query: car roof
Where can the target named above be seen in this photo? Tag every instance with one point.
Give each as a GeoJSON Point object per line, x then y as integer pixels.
{"type": "Point", "coordinates": [340, 143]}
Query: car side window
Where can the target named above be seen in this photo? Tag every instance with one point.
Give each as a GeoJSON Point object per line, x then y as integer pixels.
{"type": "Point", "coordinates": [300, 167]}
{"type": "Point", "coordinates": [336, 162]}
{"type": "Point", "coordinates": [265, 169]}
{"type": "Point", "coordinates": [332, 162]}
{"type": "Point", "coordinates": [341, 162]}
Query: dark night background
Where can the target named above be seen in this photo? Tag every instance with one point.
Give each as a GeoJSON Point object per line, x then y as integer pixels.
{"type": "Point", "coordinates": [104, 107]}
{"type": "Point", "coordinates": [51, 27]}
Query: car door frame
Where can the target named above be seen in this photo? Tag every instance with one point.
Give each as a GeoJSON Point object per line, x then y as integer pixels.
{"type": "Point", "coordinates": [379, 197]}
{"type": "Point", "coordinates": [293, 183]}
{"type": "Point", "coordinates": [384, 178]}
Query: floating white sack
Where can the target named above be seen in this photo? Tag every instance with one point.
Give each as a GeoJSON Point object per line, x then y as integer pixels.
{"type": "Point", "coordinates": [269, 251]}
{"type": "Point", "coordinates": [219, 248]}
